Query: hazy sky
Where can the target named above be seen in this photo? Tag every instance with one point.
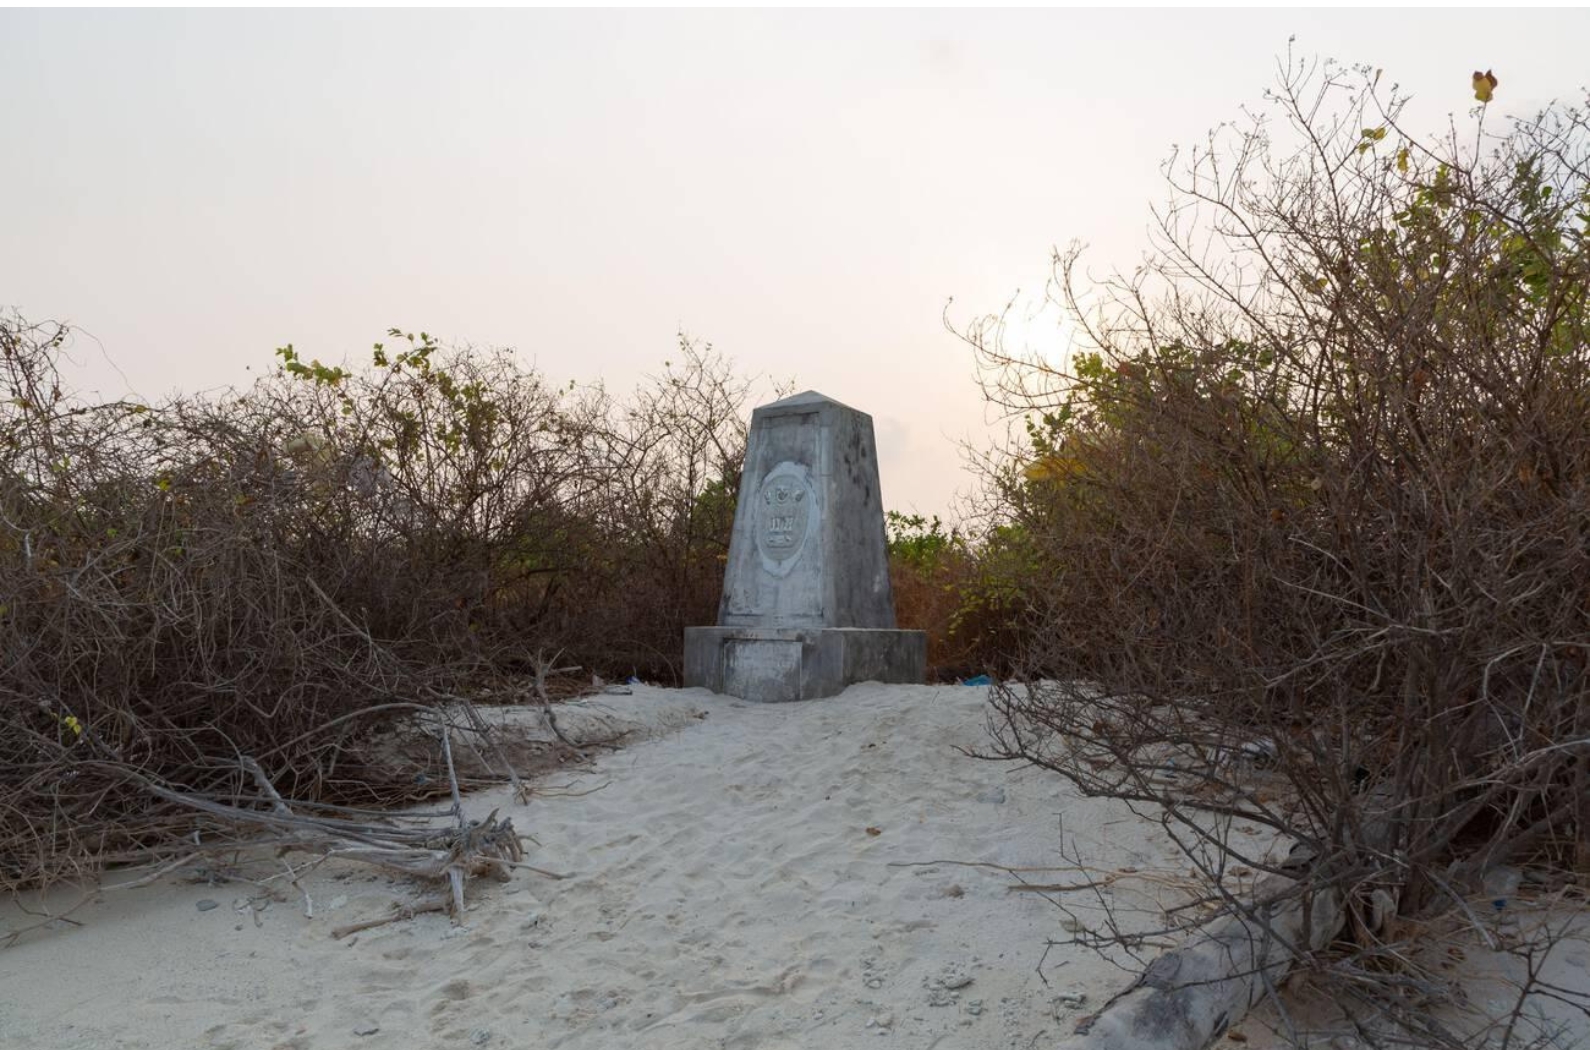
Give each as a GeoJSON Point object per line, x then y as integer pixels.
{"type": "Point", "coordinates": [806, 190]}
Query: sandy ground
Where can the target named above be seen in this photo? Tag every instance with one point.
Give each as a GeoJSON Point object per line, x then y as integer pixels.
{"type": "Point", "coordinates": [756, 876]}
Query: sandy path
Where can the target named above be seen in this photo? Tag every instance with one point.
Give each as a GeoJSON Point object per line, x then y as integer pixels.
{"type": "Point", "coordinates": [726, 893]}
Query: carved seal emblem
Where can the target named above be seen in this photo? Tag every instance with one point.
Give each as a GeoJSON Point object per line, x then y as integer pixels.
{"type": "Point", "coordinates": [784, 510]}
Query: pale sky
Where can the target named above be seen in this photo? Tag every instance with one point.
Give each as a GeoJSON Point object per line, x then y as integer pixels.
{"type": "Point", "coordinates": [805, 190]}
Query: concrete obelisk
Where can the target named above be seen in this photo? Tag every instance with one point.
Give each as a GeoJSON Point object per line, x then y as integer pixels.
{"type": "Point", "coordinates": [807, 608]}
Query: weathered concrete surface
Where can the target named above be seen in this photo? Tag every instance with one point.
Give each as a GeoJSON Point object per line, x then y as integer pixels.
{"type": "Point", "coordinates": [807, 548]}
{"type": "Point", "coordinates": [807, 607]}
{"type": "Point", "coordinates": [775, 665]}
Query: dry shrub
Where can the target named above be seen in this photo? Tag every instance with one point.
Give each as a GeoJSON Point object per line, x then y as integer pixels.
{"type": "Point", "coordinates": [926, 567]}
{"type": "Point", "coordinates": [957, 589]}
{"type": "Point", "coordinates": [1313, 495]}
{"type": "Point", "coordinates": [673, 454]}
{"type": "Point", "coordinates": [926, 598]}
{"type": "Point", "coordinates": [280, 574]}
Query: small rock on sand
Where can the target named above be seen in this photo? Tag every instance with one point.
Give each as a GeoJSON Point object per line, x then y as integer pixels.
{"type": "Point", "coordinates": [1067, 1001]}
{"type": "Point", "coordinates": [207, 905]}
{"type": "Point", "coordinates": [954, 976]}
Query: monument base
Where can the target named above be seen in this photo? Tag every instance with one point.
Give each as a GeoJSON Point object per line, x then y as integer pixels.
{"type": "Point", "coordinates": [772, 665]}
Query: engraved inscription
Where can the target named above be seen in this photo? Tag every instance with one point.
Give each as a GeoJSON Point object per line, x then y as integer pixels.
{"type": "Point", "coordinates": [784, 510]}
{"type": "Point", "coordinates": [785, 507]}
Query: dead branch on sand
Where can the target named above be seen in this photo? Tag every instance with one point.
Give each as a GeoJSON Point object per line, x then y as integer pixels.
{"type": "Point", "coordinates": [469, 849]}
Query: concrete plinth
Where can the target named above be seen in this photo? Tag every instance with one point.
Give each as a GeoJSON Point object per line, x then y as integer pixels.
{"type": "Point", "coordinates": [773, 665]}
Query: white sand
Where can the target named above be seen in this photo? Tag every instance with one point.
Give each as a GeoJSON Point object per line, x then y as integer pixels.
{"type": "Point", "coordinates": [725, 893]}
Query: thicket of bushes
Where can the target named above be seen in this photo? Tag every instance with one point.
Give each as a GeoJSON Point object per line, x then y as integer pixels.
{"type": "Point", "coordinates": [1314, 493]}
{"type": "Point", "coordinates": [276, 573]}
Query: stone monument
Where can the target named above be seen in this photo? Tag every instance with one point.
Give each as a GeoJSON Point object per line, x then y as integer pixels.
{"type": "Point", "coordinates": [807, 608]}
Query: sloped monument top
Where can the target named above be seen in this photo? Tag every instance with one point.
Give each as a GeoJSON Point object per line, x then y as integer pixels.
{"type": "Point", "coordinates": [807, 607]}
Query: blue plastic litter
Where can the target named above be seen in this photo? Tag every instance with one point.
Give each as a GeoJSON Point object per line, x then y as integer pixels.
{"type": "Point", "coordinates": [981, 679]}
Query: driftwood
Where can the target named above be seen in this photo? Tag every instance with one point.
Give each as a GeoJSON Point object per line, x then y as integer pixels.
{"type": "Point", "coordinates": [469, 849]}
{"type": "Point", "coordinates": [1191, 995]}
{"type": "Point", "coordinates": [398, 913]}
